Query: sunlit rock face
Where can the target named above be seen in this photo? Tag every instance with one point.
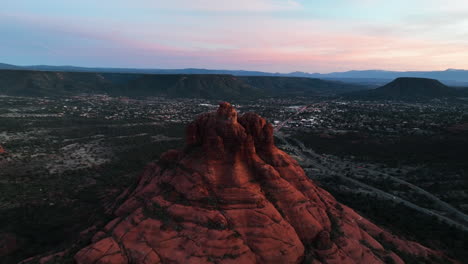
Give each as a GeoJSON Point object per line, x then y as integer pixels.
{"type": "Point", "coordinates": [231, 196]}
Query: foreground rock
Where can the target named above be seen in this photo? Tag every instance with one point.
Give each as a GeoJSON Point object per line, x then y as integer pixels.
{"type": "Point", "coordinates": [231, 196]}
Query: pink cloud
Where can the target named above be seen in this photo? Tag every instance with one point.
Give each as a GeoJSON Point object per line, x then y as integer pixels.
{"type": "Point", "coordinates": [227, 5]}
{"type": "Point", "coordinates": [256, 43]}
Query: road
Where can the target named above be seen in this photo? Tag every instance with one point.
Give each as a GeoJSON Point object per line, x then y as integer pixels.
{"type": "Point", "coordinates": [352, 167]}
{"type": "Point", "coordinates": [309, 157]}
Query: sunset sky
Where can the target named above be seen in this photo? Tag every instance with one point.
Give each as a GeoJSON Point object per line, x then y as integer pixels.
{"type": "Point", "coordinates": [267, 35]}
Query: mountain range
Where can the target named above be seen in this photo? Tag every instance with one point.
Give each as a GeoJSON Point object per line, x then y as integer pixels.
{"type": "Point", "coordinates": [213, 86]}
{"type": "Point", "coordinates": [209, 86]}
{"type": "Point", "coordinates": [451, 77]}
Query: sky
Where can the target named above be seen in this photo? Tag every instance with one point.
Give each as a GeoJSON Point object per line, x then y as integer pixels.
{"type": "Point", "coordinates": [265, 35]}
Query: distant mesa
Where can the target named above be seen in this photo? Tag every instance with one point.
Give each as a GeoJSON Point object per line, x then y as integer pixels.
{"type": "Point", "coordinates": [407, 88]}
{"type": "Point", "coordinates": [231, 196]}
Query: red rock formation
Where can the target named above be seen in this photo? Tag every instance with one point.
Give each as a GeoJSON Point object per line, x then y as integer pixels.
{"type": "Point", "coordinates": [231, 196]}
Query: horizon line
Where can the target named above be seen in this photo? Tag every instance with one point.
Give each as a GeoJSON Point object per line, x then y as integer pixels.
{"type": "Point", "coordinates": [211, 69]}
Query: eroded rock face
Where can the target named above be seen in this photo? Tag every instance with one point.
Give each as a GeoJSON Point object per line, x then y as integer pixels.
{"type": "Point", "coordinates": [231, 196]}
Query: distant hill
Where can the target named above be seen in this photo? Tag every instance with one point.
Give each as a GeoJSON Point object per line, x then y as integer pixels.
{"type": "Point", "coordinates": [42, 83]}
{"type": "Point", "coordinates": [37, 83]}
{"type": "Point", "coordinates": [66, 68]}
{"type": "Point", "coordinates": [188, 85]}
{"type": "Point", "coordinates": [449, 75]}
{"type": "Point", "coordinates": [4, 66]}
{"type": "Point", "coordinates": [210, 86]}
{"type": "Point", "coordinates": [452, 77]}
{"type": "Point", "coordinates": [299, 86]}
{"type": "Point", "coordinates": [409, 89]}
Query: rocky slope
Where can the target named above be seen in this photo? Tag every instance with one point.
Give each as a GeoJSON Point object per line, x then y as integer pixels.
{"type": "Point", "coordinates": [231, 196]}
